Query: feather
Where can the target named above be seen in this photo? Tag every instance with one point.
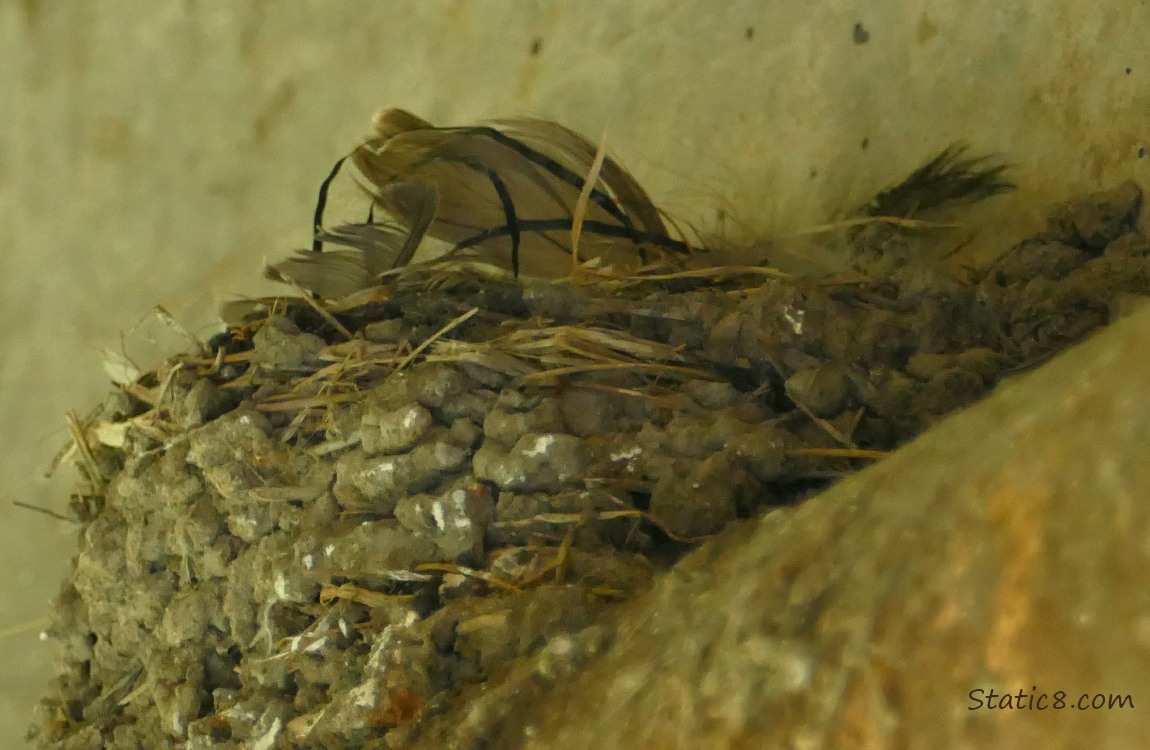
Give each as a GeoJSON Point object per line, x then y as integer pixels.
{"type": "Point", "coordinates": [507, 192]}
{"type": "Point", "coordinates": [552, 138]}
{"type": "Point", "coordinates": [415, 204]}
{"type": "Point", "coordinates": [370, 250]}
{"type": "Point", "coordinates": [946, 180]}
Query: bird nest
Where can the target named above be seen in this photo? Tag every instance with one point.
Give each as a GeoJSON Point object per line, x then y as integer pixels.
{"type": "Point", "coordinates": [340, 518]}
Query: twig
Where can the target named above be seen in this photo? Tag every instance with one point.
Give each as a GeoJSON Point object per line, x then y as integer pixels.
{"type": "Point", "coordinates": [437, 335]}
{"type": "Point", "coordinates": [580, 211]}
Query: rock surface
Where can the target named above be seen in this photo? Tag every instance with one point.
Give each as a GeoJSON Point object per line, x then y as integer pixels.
{"type": "Point", "coordinates": [984, 587]}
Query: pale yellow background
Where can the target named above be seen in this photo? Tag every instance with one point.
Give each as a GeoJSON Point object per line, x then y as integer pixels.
{"type": "Point", "coordinates": [154, 152]}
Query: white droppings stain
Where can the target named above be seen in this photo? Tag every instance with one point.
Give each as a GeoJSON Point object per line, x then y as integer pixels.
{"type": "Point", "coordinates": [380, 650]}
{"type": "Point", "coordinates": [458, 518]}
{"type": "Point", "coordinates": [309, 562]}
{"type": "Point", "coordinates": [411, 419]}
{"type": "Point", "coordinates": [512, 479]}
{"type": "Point", "coordinates": [344, 628]}
{"type": "Point", "coordinates": [247, 524]}
{"type": "Point", "coordinates": [177, 719]}
{"type": "Point", "coordinates": [461, 519]}
{"type": "Point", "coordinates": [448, 455]}
{"type": "Point", "coordinates": [364, 694]}
{"type": "Point", "coordinates": [241, 714]}
{"type": "Point", "coordinates": [453, 581]}
{"type": "Point", "coordinates": [628, 454]}
{"type": "Point", "coordinates": [380, 471]}
{"type": "Point", "coordinates": [543, 443]}
{"type": "Point", "coordinates": [795, 318]}
{"type": "Point", "coordinates": [406, 575]}
{"type": "Point", "coordinates": [268, 740]}
{"type": "Point", "coordinates": [328, 550]}
{"type": "Point", "coordinates": [281, 586]}
{"type": "Point", "coordinates": [562, 646]}
{"type": "Point", "coordinates": [316, 645]}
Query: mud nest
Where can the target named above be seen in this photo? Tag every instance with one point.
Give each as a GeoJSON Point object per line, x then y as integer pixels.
{"type": "Point", "coordinates": [338, 525]}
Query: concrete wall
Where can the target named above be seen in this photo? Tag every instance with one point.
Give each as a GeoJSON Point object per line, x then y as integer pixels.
{"type": "Point", "coordinates": [156, 152]}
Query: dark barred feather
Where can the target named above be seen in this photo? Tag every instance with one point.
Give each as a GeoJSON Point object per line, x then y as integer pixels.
{"type": "Point", "coordinates": [504, 192]}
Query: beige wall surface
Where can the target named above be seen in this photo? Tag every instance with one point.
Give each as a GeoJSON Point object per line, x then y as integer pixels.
{"type": "Point", "coordinates": [155, 152]}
